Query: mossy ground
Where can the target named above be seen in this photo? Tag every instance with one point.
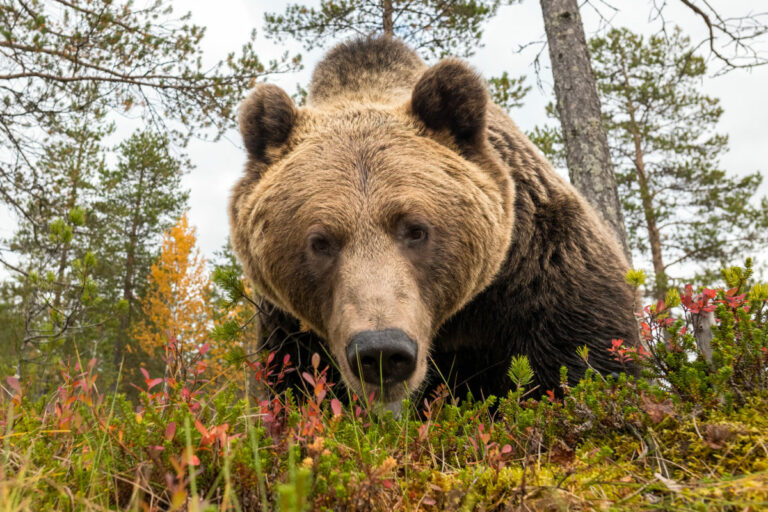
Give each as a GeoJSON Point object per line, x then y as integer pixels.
{"type": "Point", "coordinates": [690, 434]}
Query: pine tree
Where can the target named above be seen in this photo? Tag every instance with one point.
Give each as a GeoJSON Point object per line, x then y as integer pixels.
{"type": "Point", "coordinates": [52, 293]}
{"type": "Point", "coordinates": [681, 205]}
{"type": "Point", "coordinates": [435, 28]}
{"type": "Point", "coordinates": [235, 310]}
{"type": "Point", "coordinates": [62, 60]}
{"type": "Point", "coordinates": [141, 197]}
{"type": "Point", "coordinates": [70, 163]}
{"type": "Point", "coordinates": [176, 305]}
{"type": "Point", "coordinates": [684, 212]}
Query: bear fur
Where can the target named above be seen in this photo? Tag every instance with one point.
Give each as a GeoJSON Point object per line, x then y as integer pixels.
{"type": "Point", "coordinates": [401, 197]}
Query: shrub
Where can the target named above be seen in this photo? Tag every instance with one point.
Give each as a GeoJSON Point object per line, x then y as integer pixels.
{"type": "Point", "coordinates": [689, 433]}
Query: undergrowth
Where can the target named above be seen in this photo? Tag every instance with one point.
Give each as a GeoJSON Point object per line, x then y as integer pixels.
{"type": "Point", "coordinates": [690, 434]}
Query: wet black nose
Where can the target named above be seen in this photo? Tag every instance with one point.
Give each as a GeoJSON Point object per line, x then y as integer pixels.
{"type": "Point", "coordinates": [382, 357]}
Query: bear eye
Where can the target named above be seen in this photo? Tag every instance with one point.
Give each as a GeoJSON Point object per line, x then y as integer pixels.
{"type": "Point", "coordinates": [415, 234]}
{"type": "Point", "coordinates": [319, 244]}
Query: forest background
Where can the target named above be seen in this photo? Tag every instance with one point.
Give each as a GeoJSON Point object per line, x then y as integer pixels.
{"type": "Point", "coordinates": [230, 22]}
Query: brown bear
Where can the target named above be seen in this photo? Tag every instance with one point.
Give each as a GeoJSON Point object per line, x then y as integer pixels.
{"type": "Point", "coordinates": [416, 235]}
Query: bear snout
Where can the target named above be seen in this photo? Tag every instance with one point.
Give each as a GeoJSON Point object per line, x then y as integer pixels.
{"type": "Point", "coordinates": [384, 357]}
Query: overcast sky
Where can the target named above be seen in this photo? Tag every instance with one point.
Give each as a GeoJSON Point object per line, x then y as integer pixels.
{"type": "Point", "coordinates": [229, 22]}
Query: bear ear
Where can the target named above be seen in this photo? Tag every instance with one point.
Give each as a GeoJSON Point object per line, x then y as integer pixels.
{"type": "Point", "coordinates": [266, 118]}
{"type": "Point", "coordinates": [451, 96]}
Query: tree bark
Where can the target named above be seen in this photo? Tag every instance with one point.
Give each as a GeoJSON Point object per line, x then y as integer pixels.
{"type": "Point", "coordinates": [387, 24]}
{"type": "Point", "coordinates": [578, 105]}
{"type": "Point", "coordinates": [702, 330]}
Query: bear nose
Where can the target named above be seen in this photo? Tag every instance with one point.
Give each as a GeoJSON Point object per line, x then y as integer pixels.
{"type": "Point", "coordinates": [382, 357]}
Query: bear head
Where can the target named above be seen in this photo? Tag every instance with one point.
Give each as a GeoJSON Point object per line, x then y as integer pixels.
{"type": "Point", "coordinates": [373, 222]}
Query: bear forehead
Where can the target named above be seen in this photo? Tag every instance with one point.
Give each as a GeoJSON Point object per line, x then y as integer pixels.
{"type": "Point", "coordinates": [380, 170]}
{"type": "Point", "coordinates": [360, 148]}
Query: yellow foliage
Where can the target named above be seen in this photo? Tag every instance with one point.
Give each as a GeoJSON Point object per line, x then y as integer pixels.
{"type": "Point", "coordinates": [635, 278]}
{"type": "Point", "coordinates": [176, 304]}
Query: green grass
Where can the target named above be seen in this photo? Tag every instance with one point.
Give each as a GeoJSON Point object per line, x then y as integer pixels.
{"type": "Point", "coordinates": [690, 434]}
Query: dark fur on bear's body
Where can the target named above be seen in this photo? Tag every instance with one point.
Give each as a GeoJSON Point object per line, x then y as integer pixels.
{"type": "Point", "coordinates": [560, 287]}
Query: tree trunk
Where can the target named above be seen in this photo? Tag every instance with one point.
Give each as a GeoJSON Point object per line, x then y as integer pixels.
{"type": "Point", "coordinates": [387, 24]}
{"type": "Point", "coordinates": [128, 283]}
{"type": "Point", "coordinates": [125, 320]}
{"type": "Point", "coordinates": [654, 238]}
{"type": "Point", "coordinates": [702, 330]}
{"type": "Point", "coordinates": [578, 105]}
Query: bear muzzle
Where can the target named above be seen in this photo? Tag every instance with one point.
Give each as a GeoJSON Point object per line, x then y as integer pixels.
{"type": "Point", "coordinates": [382, 357]}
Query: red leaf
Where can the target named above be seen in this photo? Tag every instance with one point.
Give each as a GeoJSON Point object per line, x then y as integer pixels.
{"type": "Point", "coordinates": [506, 449]}
{"type": "Point", "coordinates": [205, 348]}
{"type": "Point", "coordinates": [145, 373]}
{"type": "Point", "coordinates": [307, 377]}
{"type": "Point", "coordinates": [423, 430]}
{"type": "Point", "coordinates": [657, 411]}
{"type": "Point", "coordinates": [387, 484]}
{"type": "Point", "coordinates": [190, 458]}
{"type": "Point", "coordinates": [170, 431]}
{"type": "Point", "coordinates": [201, 428]}
{"type": "Point", "coordinates": [336, 407]}
{"type": "Point", "coordinates": [154, 382]}
{"type": "Point", "coordinates": [13, 382]}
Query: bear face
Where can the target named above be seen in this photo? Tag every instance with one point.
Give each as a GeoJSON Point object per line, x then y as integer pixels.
{"type": "Point", "coordinates": [373, 223]}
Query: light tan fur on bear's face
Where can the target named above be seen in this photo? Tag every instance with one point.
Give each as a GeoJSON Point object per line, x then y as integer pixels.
{"type": "Point", "coordinates": [363, 219]}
